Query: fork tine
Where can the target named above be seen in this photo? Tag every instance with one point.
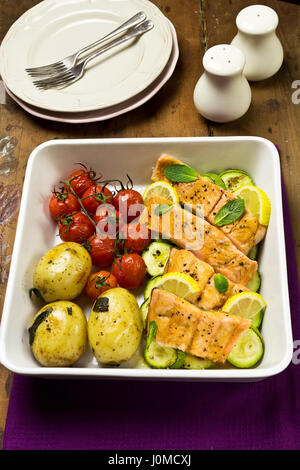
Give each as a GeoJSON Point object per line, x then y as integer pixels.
{"type": "Point", "coordinates": [61, 84]}
{"type": "Point", "coordinates": [45, 84]}
{"type": "Point", "coordinates": [57, 78]}
{"type": "Point", "coordinates": [43, 68]}
{"type": "Point", "coordinates": [53, 71]}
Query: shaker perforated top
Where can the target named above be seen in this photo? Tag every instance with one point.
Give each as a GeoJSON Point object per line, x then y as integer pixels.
{"type": "Point", "coordinates": [224, 60]}
{"type": "Point", "coordinates": [257, 19]}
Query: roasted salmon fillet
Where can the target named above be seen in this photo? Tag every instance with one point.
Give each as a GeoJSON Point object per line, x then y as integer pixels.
{"type": "Point", "coordinates": [207, 242]}
{"type": "Point", "coordinates": [208, 297]}
{"type": "Point", "coordinates": [205, 334]}
{"type": "Point", "coordinates": [198, 192]}
{"type": "Point", "coordinates": [244, 233]}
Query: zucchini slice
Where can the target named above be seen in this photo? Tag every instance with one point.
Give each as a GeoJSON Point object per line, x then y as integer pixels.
{"type": "Point", "coordinates": [253, 252]}
{"type": "Point", "coordinates": [193, 362]}
{"type": "Point", "coordinates": [180, 358]}
{"type": "Point", "coordinates": [144, 311]}
{"type": "Point", "coordinates": [235, 179]}
{"type": "Point", "coordinates": [156, 256]}
{"type": "Point", "coordinates": [150, 285]}
{"type": "Point", "coordinates": [255, 281]}
{"type": "Point", "coordinates": [156, 356]}
{"type": "Point", "coordinates": [248, 350]}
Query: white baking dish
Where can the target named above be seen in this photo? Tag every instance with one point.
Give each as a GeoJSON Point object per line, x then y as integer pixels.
{"type": "Point", "coordinates": [114, 158]}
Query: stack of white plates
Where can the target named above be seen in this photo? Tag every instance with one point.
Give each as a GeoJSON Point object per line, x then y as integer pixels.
{"type": "Point", "coordinates": [118, 81]}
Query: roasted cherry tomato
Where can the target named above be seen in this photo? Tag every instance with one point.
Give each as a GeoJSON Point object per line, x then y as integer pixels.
{"type": "Point", "coordinates": [75, 227]}
{"type": "Point", "coordinates": [108, 220]}
{"type": "Point", "coordinates": [130, 271]}
{"type": "Point", "coordinates": [129, 203]}
{"type": "Point", "coordinates": [101, 249]}
{"type": "Point", "coordinates": [137, 237]}
{"type": "Point", "coordinates": [62, 202]}
{"type": "Point", "coordinates": [98, 283]}
{"type": "Point", "coordinates": [94, 196]}
{"type": "Point", "coordinates": [81, 180]}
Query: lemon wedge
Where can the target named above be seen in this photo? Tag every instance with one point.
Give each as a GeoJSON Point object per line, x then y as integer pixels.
{"type": "Point", "coordinates": [162, 189]}
{"type": "Point", "coordinates": [257, 202]}
{"type": "Point", "coordinates": [179, 284]}
{"type": "Point", "coordinates": [249, 305]}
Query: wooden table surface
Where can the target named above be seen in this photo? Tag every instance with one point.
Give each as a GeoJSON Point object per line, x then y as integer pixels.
{"type": "Point", "coordinates": [199, 25]}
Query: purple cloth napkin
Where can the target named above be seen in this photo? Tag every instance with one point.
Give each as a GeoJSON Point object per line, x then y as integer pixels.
{"type": "Point", "coordinates": [132, 415]}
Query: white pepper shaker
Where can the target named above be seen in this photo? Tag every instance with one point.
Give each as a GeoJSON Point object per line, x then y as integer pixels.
{"type": "Point", "coordinates": [257, 38]}
{"type": "Point", "coordinates": [222, 93]}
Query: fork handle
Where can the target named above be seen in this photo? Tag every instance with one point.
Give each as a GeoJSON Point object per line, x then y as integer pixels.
{"type": "Point", "coordinates": [134, 21]}
{"type": "Point", "coordinates": [133, 33]}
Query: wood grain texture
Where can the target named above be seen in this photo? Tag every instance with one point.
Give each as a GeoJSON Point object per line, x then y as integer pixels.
{"type": "Point", "coordinates": [199, 24]}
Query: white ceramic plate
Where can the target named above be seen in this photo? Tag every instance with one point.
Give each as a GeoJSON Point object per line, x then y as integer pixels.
{"type": "Point", "coordinates": [54, 29]}
{"type": "Point", "coordinates": [113, 111]}
{"type": "Point", "coordinates": [115, 158]}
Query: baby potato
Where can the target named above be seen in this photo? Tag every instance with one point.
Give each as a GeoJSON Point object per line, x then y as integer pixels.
{"type": "Point", "coordinates": [58, 334]}
{"type": "Point", "coordinates": [115, 326]}
{"type": "Point", "coordinates": [62, 272]}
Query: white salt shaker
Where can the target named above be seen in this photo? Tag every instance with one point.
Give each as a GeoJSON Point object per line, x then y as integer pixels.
{"type": "Point", "coordinates": [257, 38]}
{"type": "Point", "coordinates": [222, 93]}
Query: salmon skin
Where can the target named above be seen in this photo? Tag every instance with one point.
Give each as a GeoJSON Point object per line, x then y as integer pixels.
{"type": "Point", "coordinates": [205, 334]}
{"type": "Point", "coordinates": [208, 297]}
{"type": "Point", "coordinates": [210, 245]}
{"type": "Point", "coordinates": [244, 233]}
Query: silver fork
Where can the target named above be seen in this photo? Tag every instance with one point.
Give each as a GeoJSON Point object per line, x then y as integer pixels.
{"type": "Point", "coordinates": [77, 71]}
{"type": "Point", "coordinates": [69, 62]}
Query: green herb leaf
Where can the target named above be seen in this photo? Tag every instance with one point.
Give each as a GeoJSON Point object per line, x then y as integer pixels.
{"type": "Point", "coordinates": [151, 333]}
{"type": "Point", "coordinates": [69, 310]}
{"type": "Point", "coordinates": [162, 208]}
{"type": "Point", "coordinates": [215, 178]}
{"type": "Point", "coordinates": [221, 283]}
{"type": "Point", "coordinates": [181, 173]}
{"type": "Point", "coordinates": [230, 212]}
{"type": "Point", "coordinates": [101, 304]}
{"type": "Point", "coordinates": [39, 319]}
{"type": "Point", "coordinates": [37, 293]}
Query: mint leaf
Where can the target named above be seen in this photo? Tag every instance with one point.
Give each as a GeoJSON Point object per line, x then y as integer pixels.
{"type": "Point", "coordinates": [216, 179]}
{"type": "Point", "coordinates": [221, 283]}
{"type": "Point", "coordinates": [230, 212]}
{"type": "Point", "coordinates": [178, 173]}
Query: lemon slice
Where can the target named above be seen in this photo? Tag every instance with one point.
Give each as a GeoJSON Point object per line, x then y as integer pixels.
{"type": "Point", "coordinates": [256, 201]}
{"type": "Point", "coordinates": [162, 189]}
{"type": "Point", "coordinates": [179, 284]}
{"type": "Point", "coordinates": [249, 305]}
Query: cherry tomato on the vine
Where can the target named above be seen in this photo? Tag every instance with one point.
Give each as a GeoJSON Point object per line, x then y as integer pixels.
{"type": "Point", "coordinates": [94, 196]}
{"type": "Point", "coordinates": [98, 283]}
{"type": "Point", "coordinates": [130, 271]}
{"type": "Point", "coordinates": [129, 203]}
{"type": "Point", "coordinates": [101, 249]}
{"type": "Point", "coordinates": [137, 237]}
{"type": "Point", "coordinates": [62, 202]}
{"type": "Point", "coordinates": [75, 227]}
{"type": "Point", "coordinates": [81, 180]}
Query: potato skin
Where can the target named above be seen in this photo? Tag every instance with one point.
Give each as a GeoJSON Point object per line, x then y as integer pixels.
{"type": "Point", "coordinates": [115, 334]}
{"type": "Point", "coordinates": [60, 338]}
{"type": "Point", "coordinates": [62, 272]}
